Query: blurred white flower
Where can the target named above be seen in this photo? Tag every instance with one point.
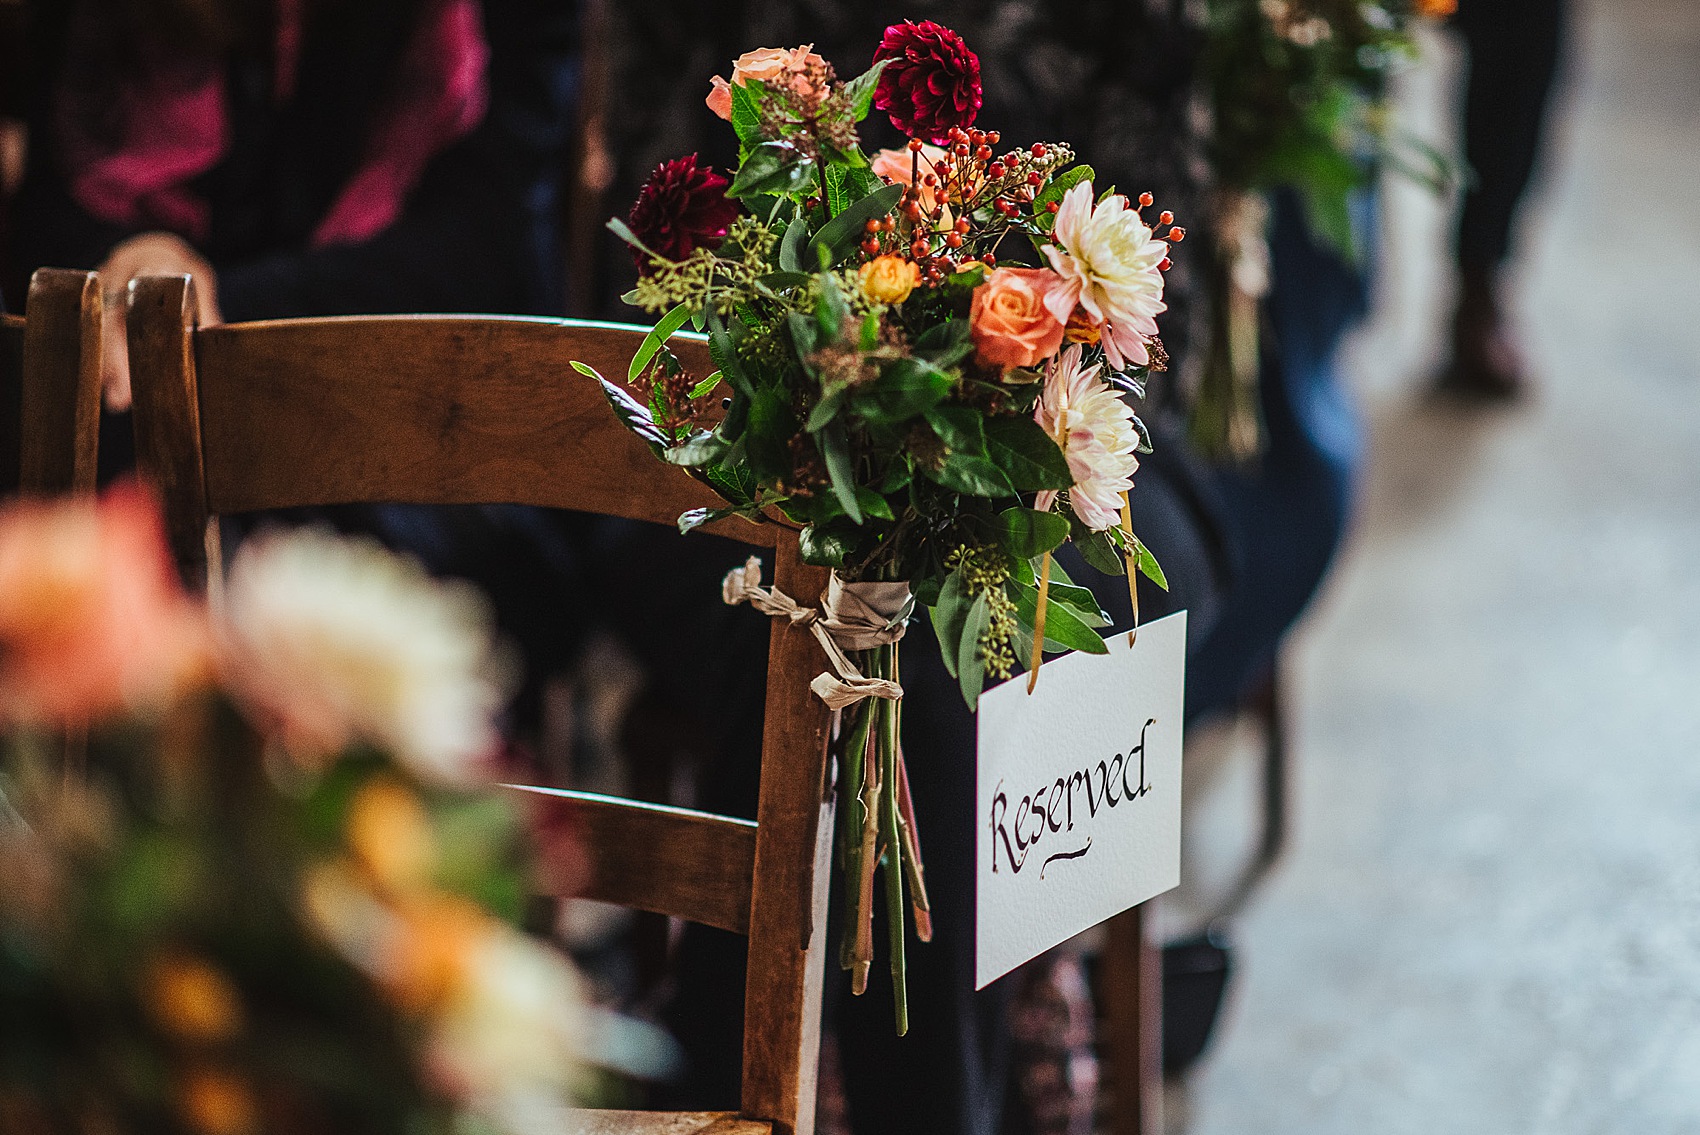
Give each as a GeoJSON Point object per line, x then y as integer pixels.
{"type": "Point", "coordinates": [1088, 419]}
{"type": "Point", "coordinates": [1108, 261]}
{"type": "Point", "coordinates": [334, 640]}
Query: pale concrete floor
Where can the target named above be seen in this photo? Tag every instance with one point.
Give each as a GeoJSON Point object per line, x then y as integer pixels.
{"type": "Point", "coordinates": [1490, 922]}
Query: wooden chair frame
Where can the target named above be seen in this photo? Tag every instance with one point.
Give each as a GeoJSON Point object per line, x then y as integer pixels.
{"type": "Point", "coordinates": [50, 386]}
{"type": "Point", "coordinates": [480, 409]}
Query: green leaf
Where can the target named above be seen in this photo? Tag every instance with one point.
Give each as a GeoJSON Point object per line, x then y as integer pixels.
{"type": "Point", "coordinates": [961, 428]}
{"type": "Point", "coordinates": [837, 192]}
{"type": "Point", "coordinates": [824, 545]}
{"type": "Point", "coordinates": [873, 505]}
{"type": "Point", "coordinates": [948, 616]}
{"type": "Point", "coordinates": [1099, 550]}
{"type": "Point", "coordinates": [1080, 600]}
{"type": "Point", "coordinates": [706, 387]}
{"type": "Point", "coordinates": [844, 232]}
{"type": "Point", "coordinates": [975, 476]}
{"type": "Point", "coordinates": [861, 90]}
{"type": "Point", "coordinates": [791, 248]}
{"type": "Point", "coordinates": [690, 521]}
{"type": "Point", "coordinates": [772, 167]}
{"type": "Point", "coordinates": [832, 310]}
{"type": "Point", "coordinates": [905, 388]}
{"type": "Point", "coordinates": [835, 448]}
{"type": "Point", "coordinates": [970, 667]}
{"type": "Point", "coordinates": [946, 344]}
{"type": "Point", "coordinates": [1060, 185]}
{"type": "Point", "coordinates": [1027, 532]}
{"type": "Point", "coordinates": [1148, 565]}
{"type": "Point", "coordinates": [732, 480]}
{"type": "Point", "coordinates": [746, 111]}
{"type": "Point", "coordinates": [620, 229]}
{"type": "Point", "coordinates": [1026, 454]}
{"type": "Point", "coordinates": [827, 408]}
{"type": "Point", "coordinates": [703, 448]}
{"type": "Point", "coordinates": [1062, 626]}
{"type": "Point", "coordinates": [725, 354]}
{"type": "Point", "coordinates": [658, 335]}
{"type": "Point", "coordinates": [767, 436]}
{"type": "Point", "coordinates": [634, 415]}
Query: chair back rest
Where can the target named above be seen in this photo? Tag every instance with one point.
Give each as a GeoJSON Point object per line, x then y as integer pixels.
{"type": "Point", "coordinates": [50, 386]}
{"type": "Point", "coordinates": [482, 409]}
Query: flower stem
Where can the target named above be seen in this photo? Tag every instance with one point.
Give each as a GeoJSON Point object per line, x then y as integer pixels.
{"type": "Point", "coordinates": [1132, 567]}
{"type": "Point", "coordinates": [1039, 623]}
{"type": "Point", "coordinates": [893, 845]}
{"type": "Point", "coordinates": [855, 758]}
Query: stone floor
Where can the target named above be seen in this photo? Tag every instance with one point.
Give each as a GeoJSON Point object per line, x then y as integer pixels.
{"type": "Point", "coordinates": [1490, 920]}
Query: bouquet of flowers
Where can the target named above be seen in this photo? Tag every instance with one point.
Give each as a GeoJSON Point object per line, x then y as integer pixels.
{"type": "Point", "coordinates": [925, 358]}
{"type": "Point", "coordinates": [273, 899]}
{"type": "Point", "coordinates": [1297, 88]}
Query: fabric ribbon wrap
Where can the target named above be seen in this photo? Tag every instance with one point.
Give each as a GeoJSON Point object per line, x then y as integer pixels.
{"type": "Point", "coordinates": [852, 616]}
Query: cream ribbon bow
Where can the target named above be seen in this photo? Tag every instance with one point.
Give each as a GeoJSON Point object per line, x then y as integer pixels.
{"type": "Point", "coordinates": [857, 616]}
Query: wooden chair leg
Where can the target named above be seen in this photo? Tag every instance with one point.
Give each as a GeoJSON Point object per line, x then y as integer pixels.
{"type": "Point", "coordinates": [1132, 975]}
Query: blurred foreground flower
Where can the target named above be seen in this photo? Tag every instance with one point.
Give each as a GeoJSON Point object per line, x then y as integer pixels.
{"type": "Point", "coordinates": [334, 640]}
{"type": "Point", "coordinates": [92, 619]}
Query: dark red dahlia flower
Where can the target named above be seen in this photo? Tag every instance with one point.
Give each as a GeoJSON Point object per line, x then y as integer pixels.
{"type": "Point", "coordinates": [932, 82]}
{"type": "Point", "coordinates": [682, 207]}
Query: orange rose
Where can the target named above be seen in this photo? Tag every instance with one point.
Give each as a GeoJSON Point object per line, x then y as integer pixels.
{"type": "Point", "coordinates": [775, 66]}
{"type": "Point", "coordinates": [1011, 325]}
{"type": "Point", "coordinates": [889, 279]}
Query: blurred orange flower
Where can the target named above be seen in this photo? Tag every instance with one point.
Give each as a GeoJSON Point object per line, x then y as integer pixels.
{"type": "Point", "coordinates": [191, 999]}
{"type": "Point", "coordinates": [92, 619]}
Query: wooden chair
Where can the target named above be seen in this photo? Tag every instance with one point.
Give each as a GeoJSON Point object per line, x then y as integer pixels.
{"type": "Point", "coordinates": [50, 386]}
{"type": "Point", "coordinates": [468, 409]}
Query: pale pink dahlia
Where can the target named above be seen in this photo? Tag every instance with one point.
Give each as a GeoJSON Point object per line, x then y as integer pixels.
{"type": "Point", "coordinates": [1087, 418]}
{"type": "Point", "coordinates": [1108, 260]}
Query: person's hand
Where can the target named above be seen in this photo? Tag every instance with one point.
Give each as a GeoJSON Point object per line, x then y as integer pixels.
{"type": "Point", "coordinates": [144, 255]}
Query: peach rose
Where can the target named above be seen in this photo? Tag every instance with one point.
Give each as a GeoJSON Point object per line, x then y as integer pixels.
{"type": "Point", "coordinates": [775, 66]}
{"type": "Point", "coordinates": [889, 279]}
{"type": "Point", "coordinates": [92, 619]}
{"type": "Point", "coordinates": [1011, 325]}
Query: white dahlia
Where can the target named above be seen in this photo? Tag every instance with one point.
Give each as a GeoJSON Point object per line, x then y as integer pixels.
{"type": "Point", "coordinates": [1088, 419]}
{"type": "Point", "coordinates": [1108, 261]}
{"type": "Point", "coordinates": [334, 640]}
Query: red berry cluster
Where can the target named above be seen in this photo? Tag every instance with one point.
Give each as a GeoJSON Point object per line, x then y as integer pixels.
{"type": "Point", "coordinates": [1175, 235]}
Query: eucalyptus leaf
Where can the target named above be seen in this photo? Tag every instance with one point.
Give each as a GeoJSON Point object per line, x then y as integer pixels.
{"type": "Point", "coordinates": [1099, 550]}
{"type": "Point", "coordinates": [970, 666]}
{"type": "Point", "coordinates": [659, 334]}
{"type": "Point", "coordinates": [835, 448]}
{"type": "Point", "coordinates": [791, 248]}
{"type": "Point", "coordinates": [703, 448]}
{"type": "Point", "coordinates": [634, 415]}
{"type": "Point", "coordinates": [690, 521]}
{"type": "Point", "coordinates": [949, 614]}
{"type": "Point", "coordinates": [873, 505]}
{"type": "Point", "coordinates": [905, 388]}
{"type": "Point", "coordinates": [1148, 565]}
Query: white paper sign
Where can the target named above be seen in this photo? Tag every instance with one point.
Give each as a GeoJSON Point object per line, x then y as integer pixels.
{"type": "Point", "coordinates": [1079, 794]}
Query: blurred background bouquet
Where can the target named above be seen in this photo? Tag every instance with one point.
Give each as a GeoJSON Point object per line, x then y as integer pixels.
{"type": "Point", "coordinates": [251, 882]}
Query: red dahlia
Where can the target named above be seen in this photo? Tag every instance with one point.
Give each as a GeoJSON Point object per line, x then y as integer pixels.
{"type": "Point", "coordinates": [682, 207]}
{"type": "Point", "coordinates": [932, 82]}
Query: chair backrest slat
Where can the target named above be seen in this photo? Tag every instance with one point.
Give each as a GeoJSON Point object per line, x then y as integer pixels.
{"type": "Point", "coordinates": [467, 409]}
{"type": "Point", "coordinates": [11, 394]}
{"type": "Point", "coordinates": [691, 865]}
{"type": "Point", "coordinates": [59, 403]}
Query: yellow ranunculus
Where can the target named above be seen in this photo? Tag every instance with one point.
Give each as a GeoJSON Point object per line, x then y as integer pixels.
{"type": "Point", "coordinates": [889, 279]}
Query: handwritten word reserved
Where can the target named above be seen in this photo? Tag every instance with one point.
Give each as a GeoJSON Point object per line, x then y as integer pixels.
{"type": "Point", "coordinates": [1050, 809]}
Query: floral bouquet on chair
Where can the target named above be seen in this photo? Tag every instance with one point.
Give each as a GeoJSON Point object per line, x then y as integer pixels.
{"type": "Point", "coordinates": [926, 357]}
